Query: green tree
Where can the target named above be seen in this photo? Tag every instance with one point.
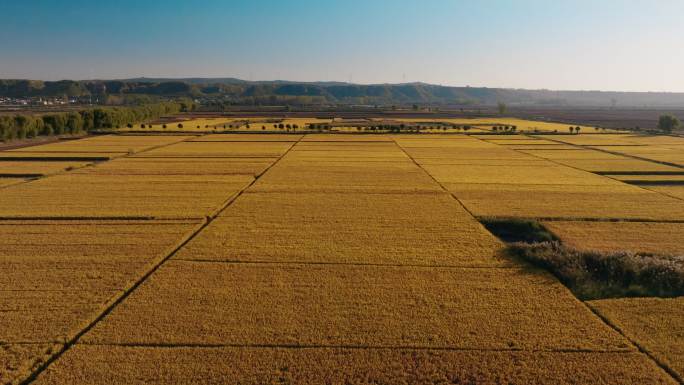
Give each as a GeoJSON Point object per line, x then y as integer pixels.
{"type": "Point", "coordinates": [502, 108]}
{"type": "Point", "coordinates": [668, 123]}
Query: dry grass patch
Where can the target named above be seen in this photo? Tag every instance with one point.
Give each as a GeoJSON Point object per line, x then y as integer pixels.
{"type": "Point", "coordinates": [618, 201]}
{"type": "Point", "coordinates": [97, 196]}
{"type": "Point", "coordinates": [221, 149]}
{"type": "Point", "coordinates": [104, 365]}
{"type": "Point", "coordinates": [420, 229]}
{"type": "Point", "coordinates": [636, 237]}
{"type": "Point", "coordinates": [332, 305]}
{"type": "Point", "coordinates": [656, 324]}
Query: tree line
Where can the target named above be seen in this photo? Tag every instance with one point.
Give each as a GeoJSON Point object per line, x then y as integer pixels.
{"type": "Point", "coordinates": [22, 126]}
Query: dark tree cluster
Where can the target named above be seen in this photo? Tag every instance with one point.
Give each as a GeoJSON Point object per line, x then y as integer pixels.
{"type": "Point", "coordinates": [21, 126]}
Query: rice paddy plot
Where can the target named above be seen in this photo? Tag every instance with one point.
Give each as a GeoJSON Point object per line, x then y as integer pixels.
{"type": "Point", "coordinates": [345, 138]}
{"type": "Point", "coordinates": [36, 168]}
{"type": "Point", "coordinates": [39, 316]}
{"type": "Point", "coordinates": [651, 178]}
{"type": "Point", "coordinates": [658, 154]}
{"type": "Point", "coordinates": [24, 156]}
{"type": "Point", "coordinates": [352, 156]}
{"type": "Point", "coordinates": [221, 149]}
{"type": "Point", "coordinates": [484, 162]}
{"type": "Point", "coordinates": [617, 165]}
{"type": "Point", "coordinates": [57, 275]}
{"type": "Point", "coordinates": [573, 154]}
{"type": "Point", "coordinates": [597, 140]}
{"type": "Point", "coordinates": [638, 237]}
{"type": "Point", "coordinates": [18, 361]}
{"type": "Point", "coordinates": [673, 191]}
{"type": "Point", "coordinates": [354, 306]}
{"type": "Point", "coordinates": [443, 143]}
{"type": "Point", "coordinates": [293, 175]}
{"type": "Point", "coordinates": [656, 324]}
{"type": "Point", "coordinates": [398, 229]}
{"type": "Point", "coordinates": [130, 196]}
{"type": "Point", "coordinates": [519, 142]}
{"type": "Point", "coordinates": [5, 182]}
{"type": "Point", "coordinates": [247, 138]}
{"type": "Point", "coordinates": [106, 144]}
{"type": "Point", "coordinates": [82, 255]}
{"type": "Point", "coordinates": [548, 173]}
{"type": "Point", "coordinates": [181, 166]}
{"type": "Point", "coordinates": [566, 201]}
{"type": "Point", "coordinates": [461, 153]}
{"type": "Point", "coordinates": [104, 365]}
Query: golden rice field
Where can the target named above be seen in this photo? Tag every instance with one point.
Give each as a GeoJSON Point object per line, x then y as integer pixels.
{"type": "Point", "coordinates": [638, 237]}
{"type": "Point", "coordinates": [127, 196]}
{"type": "Point", "coordinates": [673, 191]}
{"type": "Point", "coordinates": [36, 168]}
{"type": "Point", "coordinates": [655, 324]}
{"type": "Point", "coordinates": [4, 182]}
{"type": "Point", "coordinates": [253, 258]}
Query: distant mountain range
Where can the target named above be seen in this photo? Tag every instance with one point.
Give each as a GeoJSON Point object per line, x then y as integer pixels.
{"type": "Point", "coordinates": [237, 91]}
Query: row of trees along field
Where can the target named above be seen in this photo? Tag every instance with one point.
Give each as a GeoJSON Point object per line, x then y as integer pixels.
{"type": "Point", "coordinates": [21, 126]}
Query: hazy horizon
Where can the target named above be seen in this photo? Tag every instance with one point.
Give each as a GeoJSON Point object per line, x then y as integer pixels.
{"type": "Point", "coordinates": [568, 45]}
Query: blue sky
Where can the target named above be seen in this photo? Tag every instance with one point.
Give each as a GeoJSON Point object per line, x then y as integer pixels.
{"type": "Point", "coordinates": [560, 44]}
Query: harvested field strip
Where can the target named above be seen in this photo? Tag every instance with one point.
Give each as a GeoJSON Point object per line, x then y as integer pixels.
{"type": "Point", "coordinates": [354, 306]}
{"type": "Point", "coordinates": [655, 324]}
{"type": "Point", "coordinates": [368, 229]}
{"type": "Point", "coordinates": [640, 237]}
{"type": "Point", "coordinates": [93, 196]}
{"type": "Point", "coordinates": [183, 365]}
